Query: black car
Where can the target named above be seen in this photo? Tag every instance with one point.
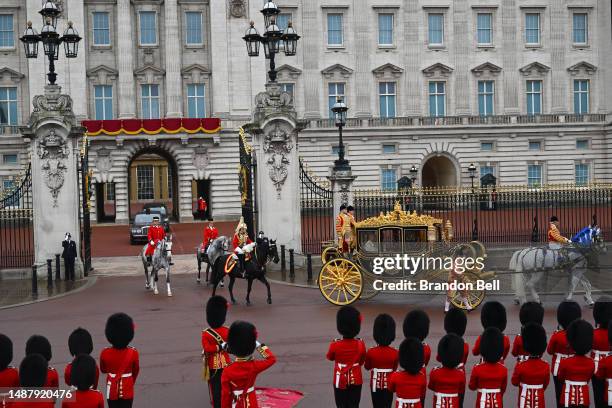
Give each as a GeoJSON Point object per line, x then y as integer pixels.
{"type": "Point", "coordinates": [158, 209]}
{"type": "Point", "coordinates": [139, 229]}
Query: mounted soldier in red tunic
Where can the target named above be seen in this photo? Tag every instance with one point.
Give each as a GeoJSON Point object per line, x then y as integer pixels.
{"type": "Point", "coordinates": [156, 234]}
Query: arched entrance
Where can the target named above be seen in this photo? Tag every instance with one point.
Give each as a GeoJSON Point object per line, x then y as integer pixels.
{"type": "Point", "coordinates": [439, 171]}
{"type": "Point", "coordinates": [153, 179]}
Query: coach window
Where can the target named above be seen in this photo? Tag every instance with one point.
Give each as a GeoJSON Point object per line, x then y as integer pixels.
{"type": "Point", "coordinates": [415, 240]}
{"type": "Point", "coordinates": [368, 241]}
{"type": "Point", "coordinates": [391, 240]}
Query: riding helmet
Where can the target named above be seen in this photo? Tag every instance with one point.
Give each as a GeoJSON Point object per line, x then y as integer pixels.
{"type": "Point", "coordinates": [119, 330]}
{"type": "Point", "coordinates": [80, 342]}
{"type": "Point", "coordinates": [216, 311]}
{"type": "Point", "coordinates": [416, 324]}
{"type": "Point", "coordinates": [492, 345]}
{"type": "Point", "coordinates": [37, 344]}
{"type": "Point", "coordinates": [411, 355]}
{"type": "Point", "coordinates": [534, 339]}
{"type": "Point", "coordinates": [6, 351]}
{"type": "Point", "coordinates": [241, 339]}
{"type": "Point", "coordinates": [455, 321]}
{"type": "Point", "coordinates": [531, 312]}
{"type": "Point", "coordinates": [348, 322]}
{"type": "Point", "coordinates": [567, 312]}
{"type": "Point", "coordinates": [450, 350]}
{"type": "Point", "coordinates": [33, 371]}
{"type": "Point", "coordinates": [580, 336]}
{"type": "Point", "coordinates": [384, 329]}
{"type": "Point", "coordinates": [493, 314]}
{"type": "Point", "coordinates": [83, 372]}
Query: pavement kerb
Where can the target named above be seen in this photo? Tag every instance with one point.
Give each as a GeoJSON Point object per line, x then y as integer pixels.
{"type": "Point", "coordinates": [90, 282]}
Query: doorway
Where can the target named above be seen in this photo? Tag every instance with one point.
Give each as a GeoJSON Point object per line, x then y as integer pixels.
{"type": "Point", "coordinates": [105, 202]}
{"type": "Point", "coordinates": [201, 188]}
{"type": "Point", "coordinates": [439, 171]}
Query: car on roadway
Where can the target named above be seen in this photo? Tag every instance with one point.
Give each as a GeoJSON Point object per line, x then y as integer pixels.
{"type": "Point", "coordinates": [139, 229]}
{"type": "Point", "coordinates": [161, 210]}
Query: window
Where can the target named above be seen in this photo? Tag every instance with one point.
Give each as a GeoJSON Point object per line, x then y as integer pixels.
{"type": "Point", "coordinates": [8, 105]}
{"type": "Point", "coordinates": [148, 29]}
{"type": "Point", "coordinates": [484, 170]}
{"type": "Point", "coordinates": [101, 28]}
{"type": "Point", "coordinates": [484, 28]}
{"type": "Point", "coordinates": [7, 184]}
{"type": "Point", "coordinates": [335, 35]}
{"type": "Point", "coordinates": [109, 190]}
{"type": "Point", "coordinates": [149, 98]}
{"type": "Point", "coordinates": [196, 100]}
{"type": "Point", "coordinates": [389, 148]}
{"type": "Point", "coordinates": [532, 28]}
{"type": "Point", "coordinates": [436, 28]}
{"type": "Point", "coordinates": [386, 92]}
{"type": "Point", "coordinates": [534, 175]}
{"type": "Point", "coordinates": [336, 149]}
{"type": "Point", "coordinates": [9, 159]}
{"type": "Point", "coordinates": [193, 28]}
{"type": "Point", "coordinates": [388, 179]}
{"type": "Point", "coordinates": [385, 29]}
{"type": "Point", "coordinates": [582, 144]}
{"type": "Point", "coordinates": [486, 93]}
{"type": "Point", "coordinates": [535, 145]}
{"type": "Point", "coordinates": [144, 176]}
{"type": "Point", "coordinates": [581, 96]}
{"type": "Point", "coordinates": [169, 180]}
{"type": "Point", "coordinates": [282, 21]}
{"type": "Point", "coordinates": [580, 31]}
{"type": "Point", "coordinates": [486, 146]}
{"type": "Point", "coordinates": [582, 174]}
{"type": "Point", "coordinates": [534, 97]}
{"type": "Point", "coordinates": [437, 98]}
{"type": "Point", "coordinates": [334, 90]}
{"type": "Point", "coordinates": [288, 87]}
{"type": "Point", "coordinates": [7, 36]}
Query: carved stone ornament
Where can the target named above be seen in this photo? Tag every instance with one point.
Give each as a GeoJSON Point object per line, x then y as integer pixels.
{"type": "Point", "coordinates": [201, 159]}
{"type": "Point", "coordinates": [277, 144]}
{"type": "Point", "coordinates": [52, 104]}
{"type": "Point", "coordinates": [237, 8]}
{"type": "Point", "coordinates": [52, 151]}
{"type": "Point", "coordinates": [273, 102]}
{"type": "Point", "coordinates": [104, 162]}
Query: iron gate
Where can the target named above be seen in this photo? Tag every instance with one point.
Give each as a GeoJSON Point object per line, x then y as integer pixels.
{"type": "Point", "coordinates": [246, 184]}
{"type": "Point", "coordinates": [317, 211]}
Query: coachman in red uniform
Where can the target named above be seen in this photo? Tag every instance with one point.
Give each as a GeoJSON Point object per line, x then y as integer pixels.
{"type": "Point", "coordinates": [409, 384]}
{"type": "Point", "coordinates": [214, 341]}
{"type": "Point", "coordinates": [9, 376]}
{"type": "Point", "coordinates": [448, 381]}
{"type": "Point", "coordinates": [531, 312]}
{"type": "Point", "coordinates": [238, 379]}
{"type": "Point", "coordinates": [490, 377]}
{"type": "Point", "coordinates": [33, 374]}
{"type": "Point", "coordinates": [156, 234]}
{"type": "Point", "coordinates": [532, 374]}
{"type": "Point", "coordinates": [493, 314]}
{"type": "Point", "coordinates": [382, 360]}
{"type": "Point", "coordinates": [602, 314]}
{"type": "Point", "coordinates": [348, 355]}
{"type": "Point", "coordinates": [416, 324]}
{"type": "Point", "coordinates": [83, 377]}
{"type": "Point", "coordinates": [576, 372]}
{"type": "Point", "coordinates": [40, 345]}
{"type": "Point", "coordinates": [558, 346]}
{"type": "Point", "coordinates": [80, 342]}
{"type": "Point", "coordinates": [120, 362]}
{"type": "Point", "coordinates": [604, 373]}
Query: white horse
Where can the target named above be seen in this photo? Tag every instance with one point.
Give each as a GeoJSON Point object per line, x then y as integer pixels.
{"type": "Point", "coordinates": [161, 259]}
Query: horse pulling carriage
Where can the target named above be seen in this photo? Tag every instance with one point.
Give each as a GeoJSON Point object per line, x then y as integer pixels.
{"type": "Point", "coordinates": [345, 278]}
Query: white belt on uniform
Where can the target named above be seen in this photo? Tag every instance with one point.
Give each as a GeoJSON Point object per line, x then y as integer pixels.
{"type": "Point", "coordinates": [340, 367]}
{"type": "Point", "coordinates": [558, 358]}
{"type": "Point", "coordinates": [485, 393]}
{"type": "Point", "coordinates": [108, 384]}
{"type": "Point", "coordinates": [441, 395]}
{"type": "Point", "coordinates": [568, 385]}
{"type": "Point", "coordinates": [375, 372]}
{"type": "Point", "coordinates": [598, 356]}
{"type": "Point", "coordinates": [525, 388]}
{"type": "Point", "coordinates": [238, 393]}
{"type": "Point", "coordinates": [406, 403]}
{"type": "Point", "coordinates": [609, 381]}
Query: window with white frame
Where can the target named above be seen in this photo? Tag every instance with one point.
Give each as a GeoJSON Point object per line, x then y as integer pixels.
{"type": "Point", "coordinates": [149, 99]}
{"type": "Point", "coordinates": [8, 184]}
{"type": "Point", "coordinates": [387, 99]}
{"type": "Point", "coordinates": [535, 145]}
{"type": "Point", "coordinates": [385, 29]}
{"type": "Point", "coordinates": [580, 31]}
{"type": "Point", "coordinates": [534, 97]}
{"type": "Point", "coordinates": [388, 179]}
{"type": "Point", "coordinates": [335, 90]}
{"type": "Point", "coordinates": [148, 28]}
{"type": "Point", "coordinates": [144, 177]}
{"type": "Point", "coordinates": [435, 28]}
{"type": "Point", "coordinates": [484, 23]}
{"type": "Point", "coordinates": [282, 21]}
{"type": "Point", "coordinates": [437, 98]}
{"type": "Point", "coordinates": [9, 159]}
{"type": "Point", "coordinates": [103, 102]}
{"type": "Point", "coordinates": [8, 105]}
{"type": "Point", "coordinates": [486, 146]}
{"type": "Point", "coordinates": [487, 169]}
{"type": "Point", "coordinates": [534, 175]}
{"type": "Point", "coordinates": [101, 28]}
{"type": "Point", "coordinates": [109, 191]}
{"type": "Point", "coordinates": [335, 31]}
{"type": "Point", "coordinates": [581, 174]}
{"type": "Point", "coordinates": [196, 100]}
{"type": "Point", "coordinates": [7, 31]}
{"type": "Point", "coordinates": [532, 28]}
{"type": "Point", "coordinates": [336, 149]}
{"type": "Point", "coordinates": [389, 149]}
{"type": "Point", "coordinates": [287, 87]}
{"type": "Point", "coordinates": [581, 96]}
{"type": "Point", "coordinates": [582, 144]}
{"type": "Point", "coordinates": [486, 96]}
{"type": "Point", "coordinates": [193, 28]}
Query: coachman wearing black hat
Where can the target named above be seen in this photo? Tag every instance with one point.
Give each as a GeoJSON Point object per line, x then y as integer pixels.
{"type": "Point", "coordinates": [448, 381]}
{"type": "Point", "coordinates": [532, 374]}
{"type": "Point", "coordinates": [576, 372]}
{"type": "Point", "coordinates": [490, 377]}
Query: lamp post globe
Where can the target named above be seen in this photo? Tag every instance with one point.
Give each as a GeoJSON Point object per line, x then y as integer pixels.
{"type": "Point", "coordinates": [472, 172]}
{"type": "Point", "coordinates": [339, 110]}
{"type": "Point", "coordinates": [252, 39]}
{"type": "Point", "coordinates": [413, 174]}
{"type": "Point", "coordinates": [30, 41]}
{"type": "Point", "coordinates": [71, 40]}
{"type": "Point", "coordinates": [290, 39]}
{"type": "Point", "coordinates": [50, 11]}
{"type": "Point", "coordinates": [270, 11]}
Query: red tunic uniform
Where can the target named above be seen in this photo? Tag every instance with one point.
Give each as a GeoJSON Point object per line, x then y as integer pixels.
{"type": "Point", "coordinates": [9, 378]}
{"type": "Point", "coordinates": [156, 234]}
{"type": "Point", "coordinates": [236, 241]}
{"type": "Point", "coordinates": [575, 373]}
{"type": "Point", "coordinates": [382, 360]}
{"type": "Point", "coordinates": [85, 399]}
{"type": "Point", "coordinates": [210, 234]}
{"type": "Point", "coordinates": [466, 353]}
{"type": "Point", "coordinates": [532, 376]}
{"type": "Point", "coordinates": [215, 357]}
{"type": "Point", "coordinates": [52, 380]}
{"type": "Point", "coordinates": [426, 354]}
{"type": "Point", "coordinates": [202, 206]}
{"type": "Point", "coordinates": [409, 389]}
{"type": "Point", "coordinates": [349, 355]}
{"type": "Point", "coordinates": [447, 384]}
{"type": "Point", "coordinates": [490, 380]}
{"type": "Point", "coordinates": [601, 346]}
{"type": "Point", "coordinates": [476, 349]}
{"type": "Point", "coordinates": [518, 350]}
{"type": "Point", "coordinates": [122, 368]}
{"type": "Point", "coordinates": [40, 403]}
{"type": "Point", "coordinates": [604, 373]}
{"type": "Point", "coordinates": [238, 380]}
{"type": "Point", "coordinates": [559, 348]}
{"type": "Point", "coordinates": [68, 371]}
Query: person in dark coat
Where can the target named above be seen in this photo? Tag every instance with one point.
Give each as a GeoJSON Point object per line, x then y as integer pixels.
{"type": "Point", "coordinates": [69, 254]}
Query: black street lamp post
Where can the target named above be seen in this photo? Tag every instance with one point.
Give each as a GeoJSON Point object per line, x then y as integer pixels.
{"type": "Point", "coordinates": [339, 109]}
{"type": "Point", "coordinates": [472, 172]}
{"type": "Point", "coordinates": [413, 174]}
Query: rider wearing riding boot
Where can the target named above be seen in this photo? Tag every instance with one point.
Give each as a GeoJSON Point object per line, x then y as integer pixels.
{"type": "Point", "coordinates": [156, 234]}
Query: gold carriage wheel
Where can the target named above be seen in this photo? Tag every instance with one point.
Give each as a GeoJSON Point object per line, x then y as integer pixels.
{"type": "Point", "coordinates": [340, 282]}
{"type": "Point", "coordinates": [479, 248]}
{"type": "Point", "coordinates": [328, 254]}
{"type": "Point", "coordinates": [474, 297]}
{"type": "Point", "coordinates": [368, 291]}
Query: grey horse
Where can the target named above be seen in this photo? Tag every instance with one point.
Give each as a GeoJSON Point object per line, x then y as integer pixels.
{"type": "Point", "coordinates": [161, 259]}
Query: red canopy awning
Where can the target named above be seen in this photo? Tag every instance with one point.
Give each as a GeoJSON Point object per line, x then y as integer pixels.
{"type": "Point", "coordinates": [152, 126]}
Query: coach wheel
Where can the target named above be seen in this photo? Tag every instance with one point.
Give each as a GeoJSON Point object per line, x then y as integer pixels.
{"type": "Point", "coordinates": [474, 297]}
{"type": "Point", "coordinates": [368, 291]}
{"type": "Point", "coordinates": [340, 282]}
{"type": "Point", "coordinates": [479, 249]}
{"type": "Point", "coordinates": [328, 254]}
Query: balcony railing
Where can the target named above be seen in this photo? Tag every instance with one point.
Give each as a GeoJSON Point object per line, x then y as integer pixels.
{"type": "Point", "coordinates": [9, 130]}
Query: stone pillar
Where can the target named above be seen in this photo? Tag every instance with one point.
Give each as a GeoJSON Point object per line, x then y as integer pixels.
{"type": "Point", "coordinates": [462, 48]}
{"type": "Point", "coordinates": [54, 134]}
{"type": "Point", "coordinates": [173, 62]}
{"type": "Point", "coordinates": [511, 19]}
{"type": "Point", "coordinates": [341, 185]}
{"type": "Point", "coordinates": [558, 72]}
{"type": "Point", "coordinates": [312, 72]}
{"type": "Point", "coordinates": [125, 61]}
{"type": "Point", "coordinates": [363, 73]}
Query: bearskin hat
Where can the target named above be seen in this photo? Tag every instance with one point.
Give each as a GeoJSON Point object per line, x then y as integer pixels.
{"type": "Point", "coordinates": [492, 345]}
{"type": "Point", "coordinates": [531, 312]}
{"type": "Point", "coordinates": [216, 310]}
{"type": "Point", "coordinates": [6, 351]}
{"type": "Point", "coordinates": [342, 207]}
{"type": "Point", "coordinates": [348, 322]}
{"type": "Point", "coordinates": [567, 312]}
{"type": "Point", "coordinates": [602, 311]}
{"type": "Point", "coordinates": [80, 342]}
{"type": "Point", "coordinates": [241, 339]}
{"type": "Point", "coordinates": [493, 314]}
{"type": "Point", "coordinates": [450, 350]}
{"type": "Point", "coordinates": [416, 324]}
{"type": "Point", "coordinates": [411, 355]}
{"type": "Point", "coordinates": [83, 372]}
{"type": "Point", "coordinates": [119, 330]}
{"type": "Point", "coordinates": [384, 329]}
{"type": "Point", "coordinates": [455, 321]}
{"type": "Point", "coordinates": [534, 339]}
{"type": "Point", "coordinates": [39, 345]}
{"type": "Point", "coordinates": [610, 332]}
{"type": "Point", "coordinates": [33, 371]}
{"type": "Point", "coordinates": [580, 336]}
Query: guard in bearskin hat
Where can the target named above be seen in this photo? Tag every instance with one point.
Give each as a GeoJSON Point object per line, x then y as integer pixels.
{"type": "Point", "coordinates": [80, 342]}
{"type": "Point", "coordinates": [493, 314]}
{"type": "Point", "coordinates": [382, 360]}
{"type": "Point", "coordinates": [490, 377]}
{"type": "Point", "coordinates": [575, 372]}
{"type": "Point", "coordinates": [531, 312]}
{"type": "Point", "coordinates": [120, 362]}
{"type": "Point", "coordinates": [409, 384]}
{"type": "Point", "coordinates": [37, 344]}
{"type": "Point", "coordinates": [416, 324]}
{"type": "Point", "coordinates": [9, 376]}
{"type": "Point", "coordinates": [448, 381]}
{"type": "Point", "coordinates": [455, 322]}
{"type": "Point", "coordinates": [348, 355]}
{"type": "Point", "coordinates": [602, 312]}
{"type": "Point", "coordinates": [558, 346]}
{"type": "Point", "coordinates": [238, 379]}
{"type": "Point", "coordinates": [604, 373]}
{"type": "Point", "coordinates": [33, 373]}
{"type": "Point", "coordinates": [83, 377]}
{"type": "Point", "coordinates": [214, 340]}
{"type": "Point", "coordinates": [532, 374]}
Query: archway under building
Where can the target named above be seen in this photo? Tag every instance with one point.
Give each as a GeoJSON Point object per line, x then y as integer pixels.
{"type": "Point", "coordinates": [439, 171]}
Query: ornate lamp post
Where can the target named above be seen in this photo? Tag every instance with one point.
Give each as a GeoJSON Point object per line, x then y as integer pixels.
{"type": "Point", "coordinates": [50, 39]}
{"type": "Point", "coordinates": [339, 109]}
{"type": "Point", "coordinates": [472, 172]}
{"type": "Point", "coordinates": [413, 175]}
{"type": "Point", "coordinates": [271, 38]}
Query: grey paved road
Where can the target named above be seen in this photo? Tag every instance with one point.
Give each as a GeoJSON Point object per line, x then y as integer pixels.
{"type": "Point", "coordinates": [297, 327]}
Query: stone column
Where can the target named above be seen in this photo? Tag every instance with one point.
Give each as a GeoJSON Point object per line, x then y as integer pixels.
{"type": "Point", "coordinates": [173, 62]}
{"type": "Point", "coordinates": [341, 185]}
{"type": "Point", "coordinates": [462, 48]}
{"type": "Point", "coordinates": [312, 71]}
{"type": "Point", "coordinates": [412, 59]}
{"type": "Point", "coordinates": [53, 134]}
{"type": "Point", "coordinates": [363, 48]}
{"type": "Point", "coordinates": [559, 37]}
{"type": "Point", "coordinates": [511, 19]}
{"type": "Point", "coordinates": [125, 61]}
